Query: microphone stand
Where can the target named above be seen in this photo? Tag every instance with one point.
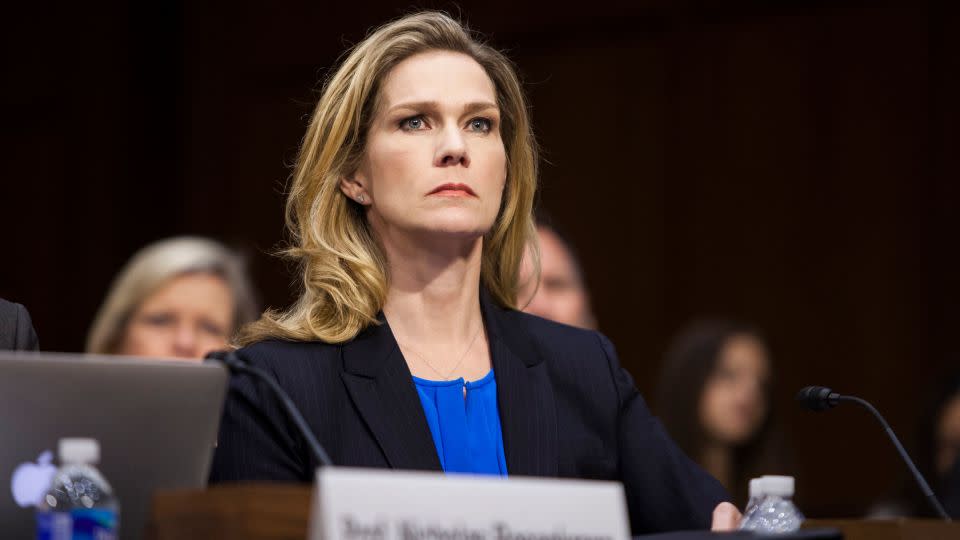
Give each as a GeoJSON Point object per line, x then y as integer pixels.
{"type": "Point", "coordinates": [235, 365]}
{"type": "Point", "coordinates": [924, 487]}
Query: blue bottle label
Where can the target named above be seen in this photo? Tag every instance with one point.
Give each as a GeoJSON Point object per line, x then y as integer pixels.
{"type": "Point", "coordinates": [78, 524]}
{"type": "Point", "coordinates": [94, 524]}
{"type": "Point", "coordinates": [54, 525]}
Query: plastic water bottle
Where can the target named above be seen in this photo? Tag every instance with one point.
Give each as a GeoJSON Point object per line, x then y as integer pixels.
{"type": "Point", "coordinates": [756, 495]}
{"type": "Point", "coordinates": [775, 513]}
{"type": "Point", "coordinates": [79, 504]}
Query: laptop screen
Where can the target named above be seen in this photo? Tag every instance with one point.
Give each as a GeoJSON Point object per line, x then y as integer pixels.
{"type": "Point", "coordinates": [156, 422]}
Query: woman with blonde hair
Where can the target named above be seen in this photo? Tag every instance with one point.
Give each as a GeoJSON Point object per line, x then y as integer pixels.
{"type": "Point", "coordinates": [177, 298]}
{"type": "Point", "coordinates": [410, 209]}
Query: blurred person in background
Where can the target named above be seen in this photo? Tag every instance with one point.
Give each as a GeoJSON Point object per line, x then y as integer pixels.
{"type": "Point", "coordinates": [560, 294]}
{"type": "Point", "coordinates": [177, 298]}
{"type": "Point", "coordinates": [937, 458]}
{"type": "Point", "coordinates": [16, 328]}
{"type": "Point", "coordinates": [714, 399]}
{"type": "Point", "coordinates": [945, 426]}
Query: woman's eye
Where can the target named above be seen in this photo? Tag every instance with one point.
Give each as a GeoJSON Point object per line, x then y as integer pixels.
{"type": "Point", "coordinates": [212, 328]}
{"type": "Point", "coordinates": [556, 284]}
{"type": "Point", "coordinates": [414, 123]}
{"type": "Point", "coordinates": [726, 375]}
{"type": "Point", "coordinates": [482, 125]}
{"type": "Point", "coordinates": [158, 319]}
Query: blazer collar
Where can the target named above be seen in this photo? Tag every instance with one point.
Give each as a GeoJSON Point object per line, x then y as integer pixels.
{"type": "Point", "coordinates": [528, 416]}
{"type": "Point", "coordinates": [366, 354]}
{"type": "Point", "coordinates": [380, 384]}
{"type": "Point", "coordinates": [503, 327]}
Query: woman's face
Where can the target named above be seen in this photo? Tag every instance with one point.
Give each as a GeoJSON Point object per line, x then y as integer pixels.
{"type": "Point", "coordinates": [187, 317]}
{"type": "Point", "coordinates": [733, 405]}
{"type": "Point", "coordinates": [560, 295]}
{"type": "Point", "coordinates": [948, 436]}
{"type": "Point", "coordinates": [434, 162]}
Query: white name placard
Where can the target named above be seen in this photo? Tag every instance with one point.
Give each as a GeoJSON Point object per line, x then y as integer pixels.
{"type": "Point", "coordinates": [368, 504]}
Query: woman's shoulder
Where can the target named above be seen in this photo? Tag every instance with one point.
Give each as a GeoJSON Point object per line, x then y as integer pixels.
{"type": "Point", "coordinates": [578, 360]}
{"type": "Point", "coordinates": [555, 337]}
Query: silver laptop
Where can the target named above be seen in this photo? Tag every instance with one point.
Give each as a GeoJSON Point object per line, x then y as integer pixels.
{"type": "Point", "coordinates": [156, 422]}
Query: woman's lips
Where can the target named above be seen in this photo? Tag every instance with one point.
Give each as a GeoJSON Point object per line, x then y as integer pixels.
{"type": "Point", "coordinates": [453, 190]}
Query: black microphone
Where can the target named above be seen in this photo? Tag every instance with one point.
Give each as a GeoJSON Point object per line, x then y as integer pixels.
{"type": "Point", "coordinates": [236, 365]}
{"type": "Point", "coordinates": [819, 398]}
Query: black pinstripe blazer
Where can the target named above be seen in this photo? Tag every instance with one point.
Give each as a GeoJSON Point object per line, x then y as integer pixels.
{"type": "Point", "coordinates": [16, 329]}
{"type": "Point", "coordinates": [567, 409]}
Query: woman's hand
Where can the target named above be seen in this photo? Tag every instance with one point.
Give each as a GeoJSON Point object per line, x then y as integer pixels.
{"type": "Point", "coordinates": [726, 517]}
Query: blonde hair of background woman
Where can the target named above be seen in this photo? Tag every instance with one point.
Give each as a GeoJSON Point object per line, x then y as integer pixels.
{"type": "Point", "coordinates": [152, 267]}
{"type": "Point", "coordinates": [343, 267]}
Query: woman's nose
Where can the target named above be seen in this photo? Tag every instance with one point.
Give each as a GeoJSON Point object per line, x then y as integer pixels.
{"type": "Point", "coordinates": [452, 149]}
{"type": "Point", "coordinates": [185, 342]}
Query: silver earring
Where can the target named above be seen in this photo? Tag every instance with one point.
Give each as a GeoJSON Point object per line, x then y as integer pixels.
{"type": "Point", "coordinates": [361, 199]}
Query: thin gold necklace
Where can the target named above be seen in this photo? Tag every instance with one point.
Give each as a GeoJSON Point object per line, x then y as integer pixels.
{"type": "Point", "coordinates": [462, 357]}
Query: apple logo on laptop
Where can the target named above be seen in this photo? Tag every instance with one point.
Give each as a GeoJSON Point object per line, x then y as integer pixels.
{"type": "Point", "coordinates": [31, 480]}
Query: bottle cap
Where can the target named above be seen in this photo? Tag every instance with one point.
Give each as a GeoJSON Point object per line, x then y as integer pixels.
{"type": "Point", "coordinates": [779, 486]}
{"type": "Point", "coordinates": [79, 450]}
{"type": "Point", "coordinates": [756, 487]}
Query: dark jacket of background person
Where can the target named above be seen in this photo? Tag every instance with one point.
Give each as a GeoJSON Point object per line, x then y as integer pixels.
{"type": "Point", "coordinates": [689, 363]}
{"type": "Point", "coordinates": [949, 490]}
{"type": "Point", "coordinates": [567, 410]}
{"type": "Point", "coordinates": [16, 328]}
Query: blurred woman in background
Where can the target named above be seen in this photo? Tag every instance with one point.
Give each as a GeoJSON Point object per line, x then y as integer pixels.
{"type": "Point", "coordinates": [714, 399]}
{"type": "Point", "coordinates": [937, 457]}
{"type": "Point", "coordinates": [946, 446]}
{"type": "Point", "coordinates": [177, 298]}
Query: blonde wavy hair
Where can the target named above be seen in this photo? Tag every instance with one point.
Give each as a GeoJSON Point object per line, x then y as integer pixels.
{"type": "Point", "coordinates": [154, 266]}
{"type": "Point", "coordinates": [344, 269]}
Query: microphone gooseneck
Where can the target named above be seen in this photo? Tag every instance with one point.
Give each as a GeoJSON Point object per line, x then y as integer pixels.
{"type": "Point", "coordinates": [236, 365]}
{"type": "Point", "coordinates": [819, 398]}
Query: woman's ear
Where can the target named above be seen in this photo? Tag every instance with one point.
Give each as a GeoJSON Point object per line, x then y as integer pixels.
{"type": "Point", "coordinates": [353, 187]}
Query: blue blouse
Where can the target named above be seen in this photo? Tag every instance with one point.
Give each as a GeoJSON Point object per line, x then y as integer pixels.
{"type": "Point", "coordinates": [465, 429]}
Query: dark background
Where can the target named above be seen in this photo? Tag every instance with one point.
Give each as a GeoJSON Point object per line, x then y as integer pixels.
{"type": "Point", "coordinates": [791, 163]}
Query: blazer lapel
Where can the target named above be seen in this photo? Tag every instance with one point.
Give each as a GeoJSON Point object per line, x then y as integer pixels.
{"type": "Point", "coordinates": [380, 385]}
{"type": "Point", "coordinates": [528, 415]}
